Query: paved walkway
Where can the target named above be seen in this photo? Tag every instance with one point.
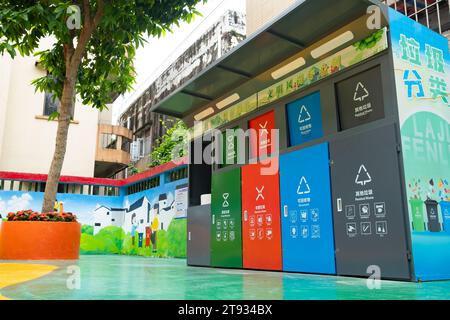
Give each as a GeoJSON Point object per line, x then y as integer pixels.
{"type": "Point", "coordinates": [119, 277]}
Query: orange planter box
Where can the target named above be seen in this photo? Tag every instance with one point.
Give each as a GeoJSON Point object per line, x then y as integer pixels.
{"type": "Point", "coordinates": [24, 240]}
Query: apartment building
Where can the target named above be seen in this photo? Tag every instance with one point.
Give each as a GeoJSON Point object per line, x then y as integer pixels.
{"type": "Point", "coordinates": [148, 127]}
{"type": "Point", "coordinates": [435, 14]}
{"type": "Point", "coordinates": [27, 136]}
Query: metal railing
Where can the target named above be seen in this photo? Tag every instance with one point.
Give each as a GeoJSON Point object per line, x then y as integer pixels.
{"type": "Point", "coordinates": [434, 14]}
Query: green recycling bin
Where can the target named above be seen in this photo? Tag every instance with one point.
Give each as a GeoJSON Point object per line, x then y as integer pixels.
{"type": "Point", "coordinates": [226, 220]}
{"type": "Point", "coordinates": [418, 221]}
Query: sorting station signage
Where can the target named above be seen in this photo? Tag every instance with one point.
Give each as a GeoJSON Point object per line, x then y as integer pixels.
{"type": "Point", "coordinates": [261, 144]}
{"type": "Point", "coordinates": [369, 229]}
{"type": "Point", "coordinates": [305, 119]}
{"type": "Point", "coordinates": [230, 147]}
{"type": "Point", "coordinates": [307, 224]}
{"type": "Point", "coordinates": [261, 230]}
{"type": "Point", "coordinates": [360, 99]}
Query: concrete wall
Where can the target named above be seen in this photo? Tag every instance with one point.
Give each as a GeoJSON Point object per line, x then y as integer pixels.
{"type": "Point", "coordinates": [259, 12]}
{"type": "Point", "coordinates": [27, 139]}
{"type": "Point", "coordinates": [5, 69]}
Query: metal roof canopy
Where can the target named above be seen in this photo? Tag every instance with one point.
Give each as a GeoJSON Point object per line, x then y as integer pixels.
{"type": "Point", "coordinates": [303, 24]}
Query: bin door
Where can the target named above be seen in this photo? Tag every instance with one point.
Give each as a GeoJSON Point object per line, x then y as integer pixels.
{"type": "Point", "coordinates": [369, 218]}
{"type": "Point", "coordinates": [226, 227]}
{"type": "Point", "coordinates": [307, 226]}
{"type": "Point", "coordinates": [261, 233]}
{"type": "Point", "coordinates": [199, 235]}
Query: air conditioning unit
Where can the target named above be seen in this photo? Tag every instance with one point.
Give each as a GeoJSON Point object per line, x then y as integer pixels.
{"type": "Point", "coordinates": [137, 150]}
{"type": "Point", "coordinates": [134, 150]}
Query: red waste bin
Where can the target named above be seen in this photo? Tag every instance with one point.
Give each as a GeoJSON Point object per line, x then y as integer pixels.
{"type": "Point", "coordinates": [261, 225]}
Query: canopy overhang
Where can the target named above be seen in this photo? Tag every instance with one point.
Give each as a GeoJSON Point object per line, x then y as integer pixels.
{"type": "Point", "coordinates": [303, 26]}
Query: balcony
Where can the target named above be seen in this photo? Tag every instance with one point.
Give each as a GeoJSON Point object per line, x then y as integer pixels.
{"type": "Point", "coordinates": [113, 150]}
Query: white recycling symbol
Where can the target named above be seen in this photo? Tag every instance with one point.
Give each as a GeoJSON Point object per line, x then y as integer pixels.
{"type": "Point", "coordinates": [225, 196]}
{"type": "Point", "coordinates": [363, 177]}
{"type": "Point", "coordinates": [303, 187]}
{"type": "Point", "coordinates": [304, 115]}
{"type": "Point", "coordinates": [361, 93]}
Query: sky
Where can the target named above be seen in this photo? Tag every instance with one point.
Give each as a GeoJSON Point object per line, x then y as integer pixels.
{"type": "Point", "coordinates": [152, 59]}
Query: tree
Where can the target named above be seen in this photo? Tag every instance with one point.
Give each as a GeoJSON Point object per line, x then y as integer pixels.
{"type": "Point", "coordinates": [172, 145]}
{"type": "Point", "coordinates": [95, 42]}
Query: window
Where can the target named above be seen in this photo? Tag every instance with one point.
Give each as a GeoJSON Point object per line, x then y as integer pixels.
{"type": "Point", "coordinates": [126, 144]}
{"type": "Point", "coordinates": [109, 141]}
{"type": "Point", "coordinates": [144, 185]}
{"type": "Point", "coordinates": [178, 174]}
{"type": "Point", "coordinates": [51, 105]}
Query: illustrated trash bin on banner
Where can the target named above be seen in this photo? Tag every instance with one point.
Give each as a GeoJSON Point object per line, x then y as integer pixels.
{"type": "Point", "coordinates": [445, 209]}
{"type": "Point", "coordinates": [418, 221]}
{"type": "Point", "coordinates": [433, 216]}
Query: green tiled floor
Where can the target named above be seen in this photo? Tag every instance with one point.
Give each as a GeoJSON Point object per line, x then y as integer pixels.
{"type": "Point", "coordinates": [119, 277]}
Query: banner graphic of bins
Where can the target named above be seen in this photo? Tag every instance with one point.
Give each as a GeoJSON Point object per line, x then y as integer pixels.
{"type": "Point", "coordinates": [262, 144]}
{"type": "Point", "coordinates": [307, 225]}
{"type": "Point", "coordinates": [226, 227]}
{"type": "Point", "coordinates": [434, 224]}
{"type": "Point", "coordinates": [261, 230]}
{"type": "Point", "coordinates": [418, 221]}
{"type": "Point", "coordinates": [305, 119]}
{"type": "Point", "coordinates": [370, 228]}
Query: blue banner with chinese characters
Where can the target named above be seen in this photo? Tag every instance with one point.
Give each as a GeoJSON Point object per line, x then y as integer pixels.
{"type": "Point", "coordinates": [421, 62]}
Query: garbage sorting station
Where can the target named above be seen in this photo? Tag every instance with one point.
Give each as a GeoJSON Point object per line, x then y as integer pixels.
{"type": "Point", "coordinates": [359, 96]}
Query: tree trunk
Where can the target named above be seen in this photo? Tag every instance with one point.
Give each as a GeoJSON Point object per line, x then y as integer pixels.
{"type": "Point", "coordinates": [72, 58]}
{"type": "Point", "coordinates": [65, 112]}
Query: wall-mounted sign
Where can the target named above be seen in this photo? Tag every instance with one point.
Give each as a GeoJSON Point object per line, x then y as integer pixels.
{"type": "Point", "coordinates": [360, 99]}
{"type": "Point", "coordinates": [230, 147]}
{"type": "Point", "coordinates": [305, 119]}
{"type": "Point", "coordinates": [339, 61]}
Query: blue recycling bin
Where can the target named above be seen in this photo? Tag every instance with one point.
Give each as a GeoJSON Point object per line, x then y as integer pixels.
{"type": "Point", "coordinates": [307, 222]}
{"type": "Point", "coordinates": [305, 119]}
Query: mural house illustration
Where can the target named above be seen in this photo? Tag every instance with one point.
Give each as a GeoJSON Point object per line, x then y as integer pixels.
{"type": "Point", "coordinates": [140, 214]}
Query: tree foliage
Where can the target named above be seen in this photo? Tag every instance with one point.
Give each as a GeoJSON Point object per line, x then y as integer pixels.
{"type": "Point", "coordinates": [106, 65]}
{"type": "Point", "coordinates": [94, 43]}
{"type": "Point", "coordinates": [172, 145]}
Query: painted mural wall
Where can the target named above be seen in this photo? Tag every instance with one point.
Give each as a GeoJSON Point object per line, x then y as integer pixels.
{"type": "Point", "coordinates": [151, 223]}
{"type": "Point", "coordinates": [422, 69]}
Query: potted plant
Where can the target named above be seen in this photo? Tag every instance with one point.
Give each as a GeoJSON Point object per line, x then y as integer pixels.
{"type": "Point", "coordinates": [29, 235]}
